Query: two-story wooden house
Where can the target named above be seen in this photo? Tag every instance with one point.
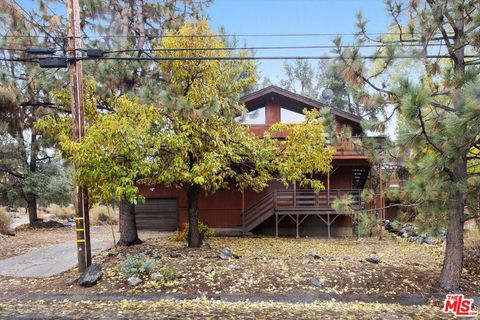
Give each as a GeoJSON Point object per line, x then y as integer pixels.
{"type": "Point", "coordinates": [276, 210]}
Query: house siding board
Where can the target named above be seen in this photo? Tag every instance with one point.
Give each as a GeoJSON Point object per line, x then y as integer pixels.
{"type": "Point", "coordinates": [272, 113]}
{"type": "Point", "coordinates": [157, 214]}
{"type": "Point", "coordinates": [224, 208]}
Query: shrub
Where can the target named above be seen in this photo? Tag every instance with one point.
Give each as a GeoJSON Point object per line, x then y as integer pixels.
{"type": "Point", "coordinates": [5, 221]}
{"type": "Point", "coordinates": [205, 231]}
{"type": "Point", "coordinates": [343, 205]}
{"type": "Point", "coordinates": [367, 224]}
{"type": "Point", "coordinates": [170, 274]}
{"type": "Point", "coordinates": [61, 212]}
{"type": "Point", "coordinates": [136, 265]}
{"type": "Point", "coordinates": [99, 215]}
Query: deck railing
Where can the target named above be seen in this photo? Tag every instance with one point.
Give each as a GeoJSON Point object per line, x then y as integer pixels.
{"type": "Point", "coordinates": [280, 201]}
{"type": "Point", "coordinates": [284, 199]}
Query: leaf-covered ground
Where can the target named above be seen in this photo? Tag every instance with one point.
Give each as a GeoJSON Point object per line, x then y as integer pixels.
{"type": "Point", "coordinates": [283, 270]}
{"type": "Point", "coordinates": [211, 309]}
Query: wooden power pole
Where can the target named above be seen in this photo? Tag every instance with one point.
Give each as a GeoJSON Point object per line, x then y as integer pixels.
{"type": "Point", "coordinates": [82, 227]}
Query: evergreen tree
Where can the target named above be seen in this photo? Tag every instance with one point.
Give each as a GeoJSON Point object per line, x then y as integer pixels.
{"type": "Point", "coordinates": [302, 78]}
{"type": "Point", "coordinates": [25, 90]}
{"type": "Point", "coordinates": [438, 105]}
{"type": "Point", "coordinates": [27, 162]}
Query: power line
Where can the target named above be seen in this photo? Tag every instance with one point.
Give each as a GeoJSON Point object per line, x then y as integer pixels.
{"type": "Point", "coordinates": [271, 48]}
{"type": "Point", "coordinates": [368, 57]}
{"type": "Point", "coordinates": [277, 35]}
{"type": "Point", "coordinates": [325, 57]}
{"type": "Point", "coordinates": [242, 48]}
{"type": "Point", "coordinates": [286, 35]}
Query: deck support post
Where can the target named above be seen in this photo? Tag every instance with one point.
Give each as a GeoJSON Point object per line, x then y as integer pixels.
{"type": "Point", "coordinates": [276, 225]}
{"type": "Point", "coordinates": [294, 194]}
{"type": "Point", "coordinates": [298, 225]}
{"type": "Point", "coordinates": [328, 225]}
{"type": "Point", "coordinates": [328, 188]}
{"type": "Point", "coordinates": [243, 213]}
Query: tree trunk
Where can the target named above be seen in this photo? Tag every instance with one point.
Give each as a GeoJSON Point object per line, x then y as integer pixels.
{"type": "Point", "coordinates": [128, 225]}
{"type": "Point", "coordinates": [32, 208]}
{"type": "Point", "coordinates": [194, 236]}
{"type": "Point", "coordinates": [452, 263]}
{"type": "Point", "coordinates": [453, 260]}
{"type": "Point", "coordinates": [30, 196]}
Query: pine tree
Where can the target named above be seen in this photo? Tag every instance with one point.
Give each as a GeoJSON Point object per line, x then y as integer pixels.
{"type": "Point", "coordinates": [303, 78]}
{"type": "Point", "coordinates": [26, 159]}
{"type": "Point", "coordinates": [437, 101]}
{"type": "Point", "coordinates": [26, 90]}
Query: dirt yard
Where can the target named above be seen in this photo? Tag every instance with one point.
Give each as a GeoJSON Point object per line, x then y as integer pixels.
{"type": "Point", "coordinates": [282, 270]}
{"type": "Point", "coordinates": [28, 239]}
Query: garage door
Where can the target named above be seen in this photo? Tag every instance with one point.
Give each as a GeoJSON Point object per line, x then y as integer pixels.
{"type": "Point", "coordinates": [157, 214]}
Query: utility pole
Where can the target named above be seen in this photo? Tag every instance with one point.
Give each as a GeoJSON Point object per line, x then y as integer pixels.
{"type": "Point", "coordinates": [82, 226]}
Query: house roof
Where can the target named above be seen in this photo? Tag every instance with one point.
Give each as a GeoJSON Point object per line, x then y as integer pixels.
{"type": "Point", "coordinates": [292, 101]}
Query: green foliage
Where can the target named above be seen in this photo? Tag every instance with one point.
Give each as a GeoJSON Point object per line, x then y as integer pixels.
{"type": "Point", "coordinates": [344, 205]}
{"type": "Point", "coordinates": [170, 274]}
{"type": "Point", "coordinates": [142, 24]}
{"type": "Point", "coordinates": [27, 92]}
{"type": "Point", "coordinates": [368, 195]}
{"type": "Point", "coordinates": [303, 152]}
{"type": "Point", "coordinates": [189, 138]}
{"type": "Point", "coordinates": [205, 232]}
{"type": "Point", "coordinates": [206, 84]}
{"type": "Point", "coordinates": [114, 154]}
{"type": "Point", "coordinates": [303, 78]}
{"type": "Point", "coordinates": [367, 223]}
{"type": "Point", "coordinates": [136, 265]}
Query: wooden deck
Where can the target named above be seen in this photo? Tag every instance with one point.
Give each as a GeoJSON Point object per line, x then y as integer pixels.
{"type": "Point", "coordinates": [297, 205]}
{"type": "Point", "coordinates": [308, 199]}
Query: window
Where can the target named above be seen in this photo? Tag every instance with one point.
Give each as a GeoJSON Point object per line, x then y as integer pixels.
{"type": "Point", "coordinates": [253, 117]}
{"type": "Point", "coordinates": [288, 116]}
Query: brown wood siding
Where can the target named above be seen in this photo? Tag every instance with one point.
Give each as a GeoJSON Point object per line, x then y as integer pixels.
{"type": "Point", "coordinates": [272, 113]}
{"type": "Point", "coordinates": [157, 214]}
{"type": "Point", "coordinates": [223, 209]}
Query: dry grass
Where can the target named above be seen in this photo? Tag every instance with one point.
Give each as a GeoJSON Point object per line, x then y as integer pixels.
{"type": "Point", "coordinates": [5, 221]}
{"type": "Point", "coordinates": [99, 215]}
{"type": "Point", "coordinates": [61, 212]}
{"type": "Point", "coordinates": [472, 250]}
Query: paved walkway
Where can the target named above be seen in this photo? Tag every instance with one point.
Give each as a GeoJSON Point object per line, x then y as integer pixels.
{"type": "Point", "coordinates": [47, 261]}
{"type": "Point", "coordinates": [17, 222]}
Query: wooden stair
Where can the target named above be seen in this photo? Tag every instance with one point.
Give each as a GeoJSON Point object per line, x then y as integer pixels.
{"type": "Point", "coordinates": [359, 177]}
{"type": "Point", "coordinates": [258, 212]}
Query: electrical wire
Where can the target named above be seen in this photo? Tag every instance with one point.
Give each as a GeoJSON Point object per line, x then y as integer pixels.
{"type": "Point", "coordinates": [368, 57]}
{"type": "Point", "coordinates": [155, 59]}
{"type": "Point", "coordinates": [276, 35]}
{"type": "Point", "coordinates": [255, 48]}
{"type": "Point", "coordinates": [269, 48]}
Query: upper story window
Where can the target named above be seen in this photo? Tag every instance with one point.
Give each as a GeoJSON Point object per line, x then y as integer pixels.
{"type": "Point", "coordinates": [289, 116]}
{"type": "Point", "coordinates": [254, 117]}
